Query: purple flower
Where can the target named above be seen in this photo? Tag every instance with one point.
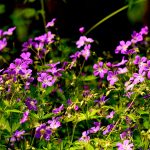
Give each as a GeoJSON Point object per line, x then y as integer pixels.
{"type": "Point", "coordinates": [112, 77]}
{"type": "Point", "coordinates": [19, 66]}
{"type": "Point", "coordinates": [122, 47]}
{"type": "Point", "coordinates": [1, 33]}
{"type": "Point", "coordinates": [25, 117]}
{"type": "Point", "coordinates": [108, 129]}
{"type": "Point", "coordinates": [46, 79]}
{"type": "Point", "coordinates": [83, 41]}
{"type": "Point", "coordinates": [17, 136]}
{"type": "Point", "coordinates": [81, 30]}
{"type": "Point", "coordinates": [39, 46]}
{"type": "Point", "coordinates": [136, 37]}
{"type": "Point", "coordinates": [141, 62]}
{"type": "Point", "coordinates": [50, 37]}
{"type": "Point", "coordinates": [102, 100]}
{"type": "Point", "coordinates": [122, 70]}
{"type": "Point", "coordinates": [148, 69]}
{"type": "Point", "coordinates": [9, 31]}
{"type": "Point", "coordinates": [27, 45]}
{"type": "Point", "coordinates": [3, 44]}
{"type": "Point", "coordinates": [86, 51]}
{"type": "Point", "coordinates": [41, 38]}
{"type": "Point", "coordinates": [121, 63]}
{"type": "Point", "coordinates": [51, 23]}
{"type": "Point", "coordinates": [139, 77]}
{"type": "Point", "coordinates": [129, 86]}
{"type": "Point", "coordinates": [54, 123]}
{"type": "Point", "coordinates": [125, 133]}
{"type": "Point", "coordinates": [58, 110]}
{"type": "Point", "coordinates": [43, 131]}
{"type": "Point", "coordinates": [109, 64]}
{"type": "Point", "coordinates": [76, 55]}
{"type": "Point", "coordinates": [76, 107]}
{"type": "Point", "coordinates": [125, 146]}
{"type": "Point", "coordinates": [96, 128]}
{"type": "Point", "coordinates": [31, 104]}
{"type": "Point", "coordinates": [144, 30]}
{"type": "Point", "coordinates": [26, 57]}
{"type": "Point", "coordinates": [99, 70]}
{"type": "Point", "coordinates": [53, 69]}
{"type": "Point", "coordinates": [85, 137]}
{"type": "Point", "coordinates": [111, 115]}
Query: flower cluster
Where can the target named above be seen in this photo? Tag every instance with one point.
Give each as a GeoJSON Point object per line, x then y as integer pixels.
{"type": "Point", "coordinates": [45, 104]}
{"type": "Point", "coordinates": [3, 37]}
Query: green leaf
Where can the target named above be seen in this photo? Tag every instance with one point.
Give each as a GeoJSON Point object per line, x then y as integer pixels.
{"type": "Point", "coordinates": [29, 12]}
{"type": "Point", "coordinates": [146, 123]}
{"type": "Point", "coordinates": [89, 78]}
{"type": "Point", "coordinates": [4, 124]}
{"type": "Point", "coordinates": [132, 117]}
{"type": "Point", "coordinates": [142, 112]}
{"type": "Point", "coordinates": [14, 111]}
{"type": "Point", "coordinates": [47, 116]}
{"type": "Point", "coordinates": [2, 8]}
{"type": "Point", "coordinates": [15, 126]}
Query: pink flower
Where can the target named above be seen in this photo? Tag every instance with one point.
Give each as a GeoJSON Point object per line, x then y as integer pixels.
{"type": "Point", "coordinates": [123, 47]}
{"type": "Point", "coordinates": [81, 30]}
{"type": "Point", "coordinates": [3, 44]}
{"type": "Point", "coordinates": [83, 41]}
{"type": "Point", "coordinates": [51, 23]}
{"type": "Point", "coordinates": [125, 145]}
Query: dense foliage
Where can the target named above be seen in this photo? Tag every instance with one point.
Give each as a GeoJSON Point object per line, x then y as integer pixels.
{"type": "Point", "coordinates": [58, 96]}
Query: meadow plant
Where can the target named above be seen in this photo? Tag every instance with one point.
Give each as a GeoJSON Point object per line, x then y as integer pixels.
{"type": "Point", "coordinates": [57, 97]}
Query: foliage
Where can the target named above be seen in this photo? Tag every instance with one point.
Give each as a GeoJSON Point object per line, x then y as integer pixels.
{"type": "Point", "coordinates": [57, 96]}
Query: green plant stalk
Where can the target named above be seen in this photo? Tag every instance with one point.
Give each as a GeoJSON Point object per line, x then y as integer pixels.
{"type": "Point", "coordinates": [106, 18]}
{"type": "Point", "coordinates": [74, 127]}
{"type": "Point", "coordinates": [43, 13]}
{"type": "Point", "coordinates": [110, 15]}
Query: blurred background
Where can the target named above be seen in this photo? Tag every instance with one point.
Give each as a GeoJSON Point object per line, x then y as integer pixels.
{"type": "Point", "coordinates": [30, 17]}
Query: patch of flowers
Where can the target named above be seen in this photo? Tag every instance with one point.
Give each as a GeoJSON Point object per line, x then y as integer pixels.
{"type": "Point", "coordinates": [57, 97]}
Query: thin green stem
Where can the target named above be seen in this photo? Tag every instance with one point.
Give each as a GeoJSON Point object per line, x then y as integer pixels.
{"type": "Point", "coordinates": [81, 68]}
{"type": "Point", "coordinates": [43, 13]}
{"type": "Point", "coordinates": [74, 127]}
{"type": "Point", "coordinates": [106, 18]}
{"type": "Point", "coordinates": [110, 15]}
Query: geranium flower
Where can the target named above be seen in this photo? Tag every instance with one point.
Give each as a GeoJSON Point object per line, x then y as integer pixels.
{"type": "Point", "coordinates": [125, 145]}
{"type": "Point", "coordinates": [43, 131]}
{"type": "Point", "coordinates": [99, 70]}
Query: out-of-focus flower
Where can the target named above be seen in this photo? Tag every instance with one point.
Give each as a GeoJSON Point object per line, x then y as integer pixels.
{"type": "Point", "coordinates": [31, 104]}
{"type": "Point", "coordinates": [81, 30]}
{"type": "Point", "coordinates": [111, 115]}
{"type": "Point", "coordinates": [108, 129]}
{"type": "Point", "coordinates": [83, 41]}
{"type": "Point", "coordinates": [3, 43]}
{"type": "Point", "coordinates": [17, 136]}
{"type": "Point", "coordinates": [51, 23]}
{"type": "Point", "coordinates": [25, 117]}
{"type": "Point", "coordinates": [85, 137]}
{"type": "Point", "coordinates": [58, 110]}
{"type": "Point", "coordinates": [86, 51]}
{"type": "Point", "coordinates": [9, 31]}
{"type": "Point", "coordinates": [112, 77]}
{"type": "Point", "coordinates": [54, 123]}
{"type": "Point", "coordinates": [96, 128]}
{"type": "Point", "coordinates": [125, 146]}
